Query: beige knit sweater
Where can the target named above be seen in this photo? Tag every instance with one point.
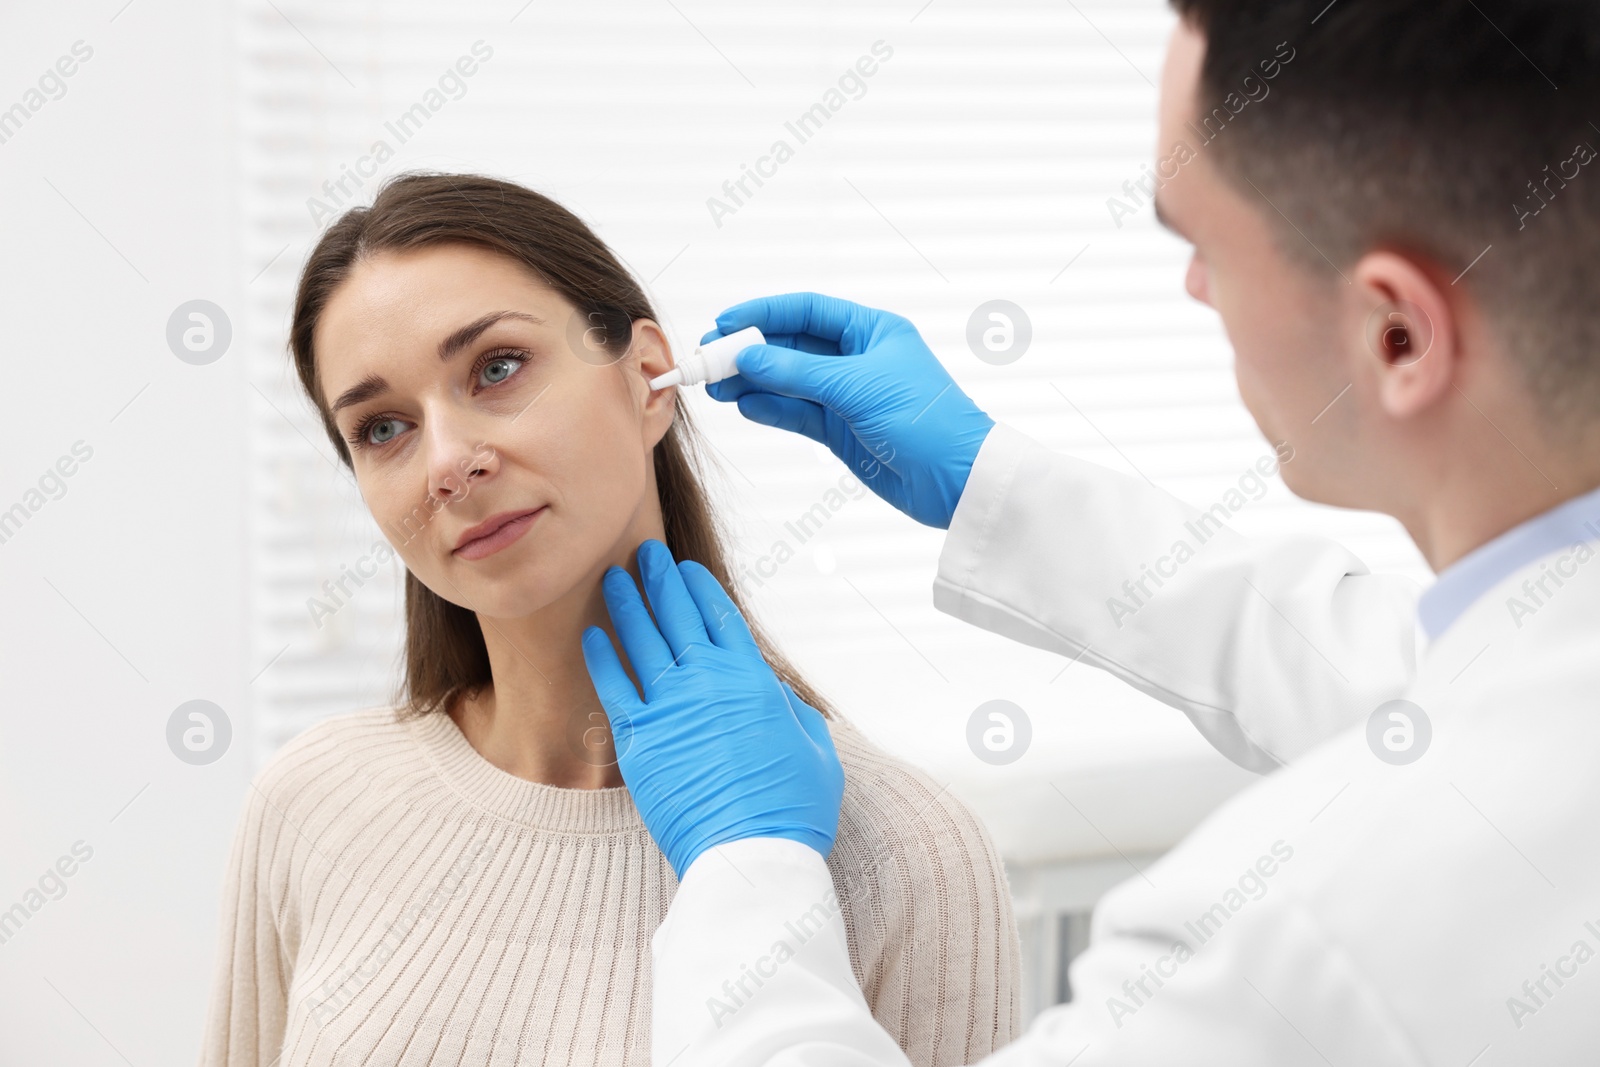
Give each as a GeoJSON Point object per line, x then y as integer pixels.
{"type": "Point", "coordinates": [394, 898]}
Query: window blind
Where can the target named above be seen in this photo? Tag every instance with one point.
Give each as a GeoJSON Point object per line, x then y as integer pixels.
{"type": "Point", "coordinates": [973, 164]}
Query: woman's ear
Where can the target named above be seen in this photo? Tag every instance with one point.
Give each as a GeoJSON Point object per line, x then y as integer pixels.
{"type": "Point", "coordinates": [652, 354]}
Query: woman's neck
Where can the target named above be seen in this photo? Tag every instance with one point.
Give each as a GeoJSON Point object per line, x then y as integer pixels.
{"type": "Point", "coordinates": [539, 718]}
{"type": "Point", "coordinates": [567, 748]}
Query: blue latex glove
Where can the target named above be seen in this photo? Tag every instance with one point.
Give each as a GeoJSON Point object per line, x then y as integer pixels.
{"type": "Point", "coordinates": [889, 409]}
{"type": "Point", "coordinates": [719, 749]}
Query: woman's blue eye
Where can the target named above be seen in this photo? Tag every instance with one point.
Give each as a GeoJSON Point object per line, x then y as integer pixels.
{"type": "Point", "coordinates": [369, 435]}
{"type": "Point", "coordinates": [378, 437]}
{"type": "Point", "coordinates": [508, 362]}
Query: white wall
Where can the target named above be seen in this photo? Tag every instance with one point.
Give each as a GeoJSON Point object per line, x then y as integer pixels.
{"type": "Point", "coordinates": [178, 165]}
{"type": "Point", "coordinates": [126, 596]}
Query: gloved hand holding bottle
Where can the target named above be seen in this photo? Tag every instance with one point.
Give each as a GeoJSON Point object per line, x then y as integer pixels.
{"type": "Point", "coordinates": [864, 383]}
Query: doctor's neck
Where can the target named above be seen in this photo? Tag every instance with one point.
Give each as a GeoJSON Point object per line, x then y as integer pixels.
{"type": "Point", "coordinates": [1470, 508]}
{"type": "Point", "coordinates": [1482, 458]}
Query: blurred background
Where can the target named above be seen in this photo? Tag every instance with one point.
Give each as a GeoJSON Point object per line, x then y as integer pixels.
{"type": "Point", "coordinates": [170, 512]}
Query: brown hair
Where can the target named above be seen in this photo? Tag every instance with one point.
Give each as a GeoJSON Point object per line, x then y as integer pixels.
{"type": "Point", "coordinates": [445, 654]}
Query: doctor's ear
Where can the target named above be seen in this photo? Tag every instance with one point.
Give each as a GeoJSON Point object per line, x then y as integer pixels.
{"type": "Point", "coordinates": [649, 356]}
{"type": "Point", "coordinates": [1411, 337]}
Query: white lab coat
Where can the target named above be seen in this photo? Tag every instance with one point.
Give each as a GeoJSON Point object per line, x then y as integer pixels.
{"type": "Point", "coordinates": [1343, 910]}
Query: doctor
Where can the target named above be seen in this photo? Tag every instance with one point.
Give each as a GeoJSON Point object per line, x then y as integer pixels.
{"type": "Point", "coordinates": [1416, 878]}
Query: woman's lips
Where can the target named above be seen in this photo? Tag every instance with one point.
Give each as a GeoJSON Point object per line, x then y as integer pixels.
{"type": "Point", "coordinates": [489, 544]}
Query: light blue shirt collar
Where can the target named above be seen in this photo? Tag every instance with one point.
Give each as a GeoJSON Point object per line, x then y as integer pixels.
{"type": "Point", "coordinates": [1461, 584]}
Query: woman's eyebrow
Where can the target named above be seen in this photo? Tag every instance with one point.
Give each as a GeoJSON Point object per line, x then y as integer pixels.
{"type": "Point", "coordinates": [375, 385]}
{"type": "Point", "coordinates": [471, 331]}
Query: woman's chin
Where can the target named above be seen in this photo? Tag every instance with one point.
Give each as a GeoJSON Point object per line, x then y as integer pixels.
{"type": "Point", "coordinates": [519, 594]}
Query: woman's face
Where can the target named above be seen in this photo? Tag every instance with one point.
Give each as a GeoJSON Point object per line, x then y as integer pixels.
{"type": "Point", "coordinates": [478, 394]}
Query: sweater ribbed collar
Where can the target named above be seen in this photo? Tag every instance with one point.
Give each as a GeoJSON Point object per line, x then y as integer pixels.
{"type": "Point", "coordinates": [530, 804]}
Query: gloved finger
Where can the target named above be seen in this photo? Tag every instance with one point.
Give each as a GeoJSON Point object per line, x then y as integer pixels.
{"type": "Point", "coordinates": [804, 342]}
{"type": "Point", "coordinates": [721, 616]}
{"type": "Point", "coordinates": [800, 342]}
{"type": "Point", "coordinates": [805, 375]}
{"type": "Point", "coordinates": [611, 682]}
{"type": "Point", "coordinates": [811, 720]}
{"type": "Point", "coordinates": [826, 317]}
{"type": "Point", "coordinates": [729, 388]}
{"type": "Point", "coordinates": [732, 388]}
{"type": "Point", "coordinates": [641, 640]}
{"type": "Point", "coordinates": [677, 616]}
{"type": "Point", "coordinates": [785, 412]}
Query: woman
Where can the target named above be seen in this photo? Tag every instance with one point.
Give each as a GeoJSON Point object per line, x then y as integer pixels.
{"type": "Point", "coordinates": [461, 877]}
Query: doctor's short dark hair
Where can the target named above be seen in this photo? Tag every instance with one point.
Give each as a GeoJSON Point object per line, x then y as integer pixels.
{"type": "Point", "coordinates": [1438, 127]}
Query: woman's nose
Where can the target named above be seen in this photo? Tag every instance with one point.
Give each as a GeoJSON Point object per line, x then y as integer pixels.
{"type": "Point", "coordinates": [458, 456]}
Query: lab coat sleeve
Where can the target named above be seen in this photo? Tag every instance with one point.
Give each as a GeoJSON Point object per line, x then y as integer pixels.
{"type": "Point", "coordinates": [751, 967]}
{"type": "Point", "coordinates": [743, 979]}
{"type": "Point", "coordinates": [1269, 645]}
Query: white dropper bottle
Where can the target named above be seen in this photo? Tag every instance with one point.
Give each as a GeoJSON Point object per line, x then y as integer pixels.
{"type": "Point", "coordinates": [712, 361]}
